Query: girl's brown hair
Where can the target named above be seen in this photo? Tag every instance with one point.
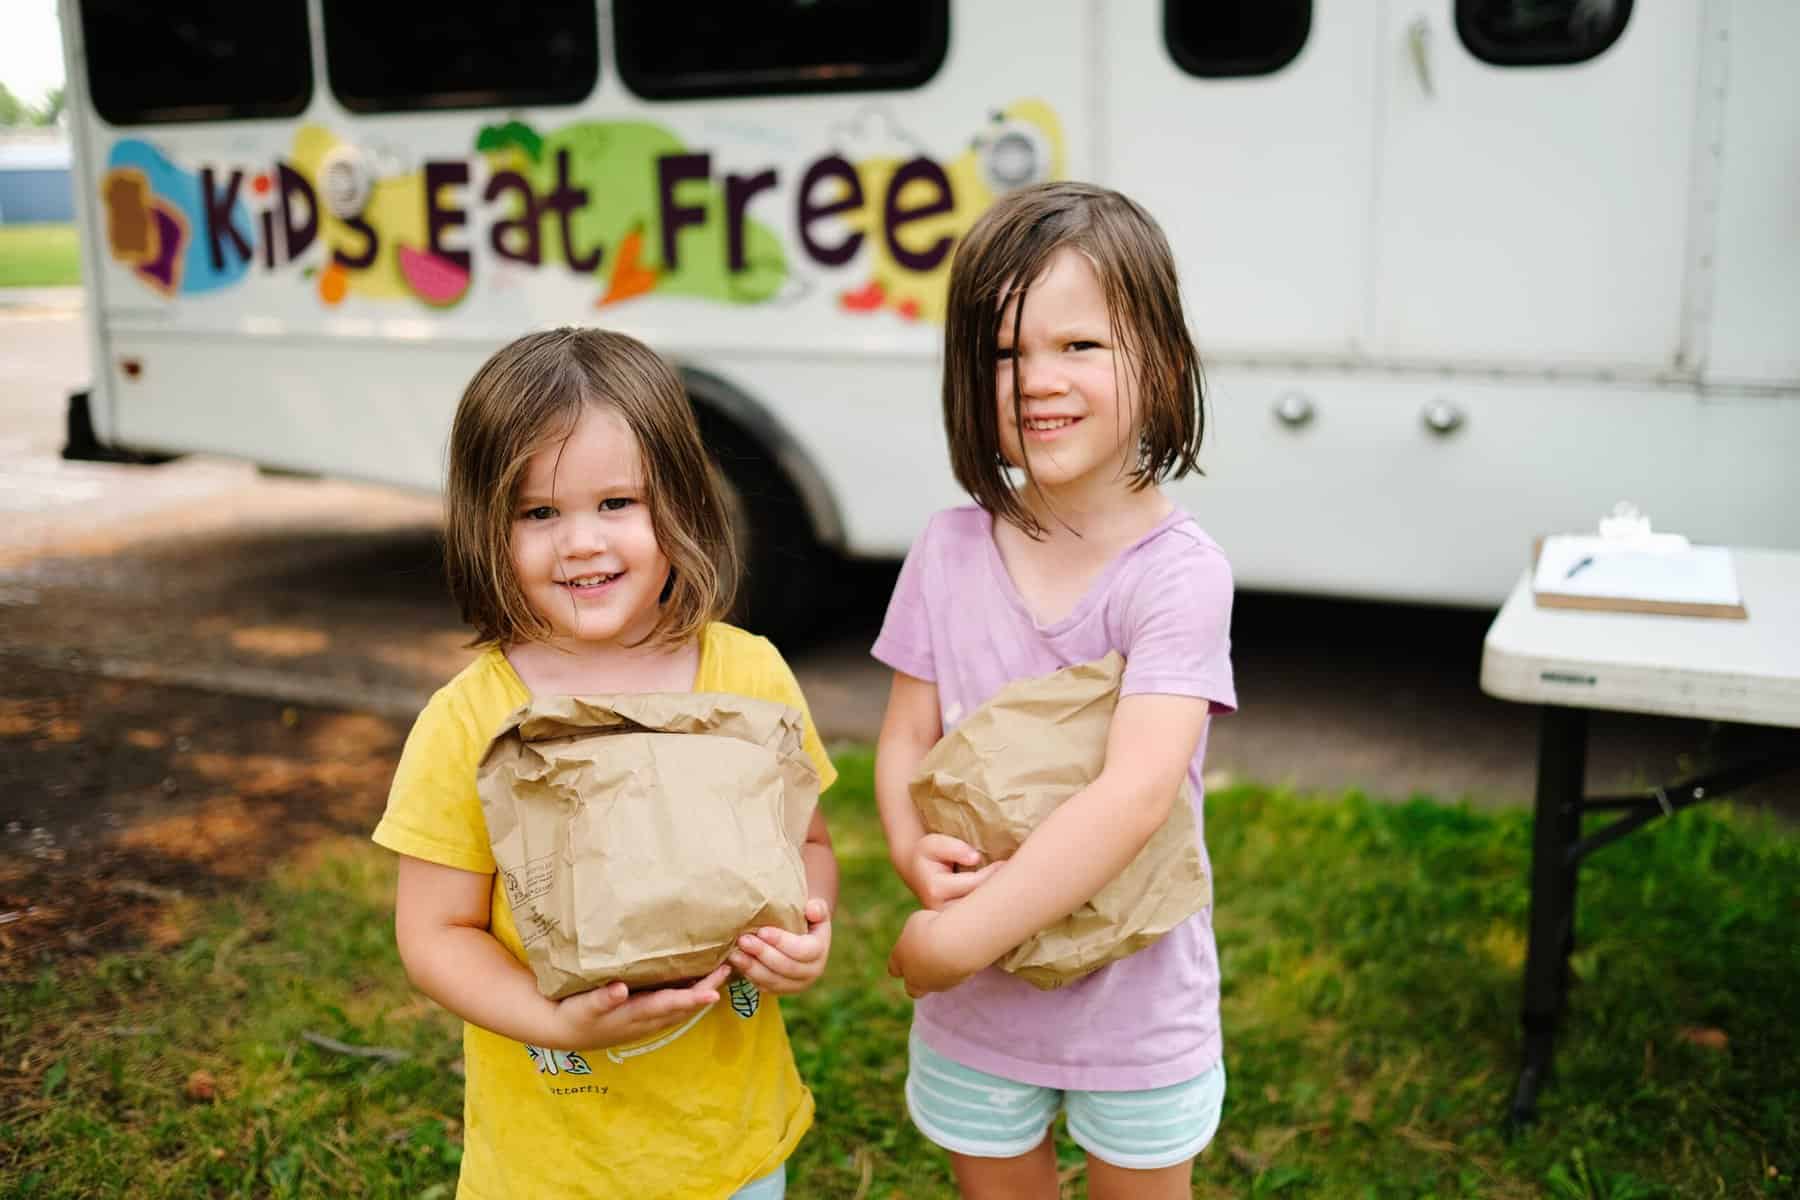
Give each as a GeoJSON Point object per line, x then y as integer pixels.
{"type": "Point", "coordinates": [529, 396]}
{"type": "Point", "coordinates": [1008, 249]}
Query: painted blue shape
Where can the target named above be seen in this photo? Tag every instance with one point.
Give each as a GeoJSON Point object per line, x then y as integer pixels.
{"type": "Point", "coordinates": [181, 188]}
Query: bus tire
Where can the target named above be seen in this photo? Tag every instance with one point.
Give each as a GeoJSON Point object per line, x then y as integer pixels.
{"type": "Point", "coordinates": [82, 444]}
{"type": "Point", "coordinates": [782, 586]}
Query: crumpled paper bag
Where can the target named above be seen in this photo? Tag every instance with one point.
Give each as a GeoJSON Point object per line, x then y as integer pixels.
{"type": "Point", "coordinates": [996, 776]}
{"type": "Point", "coordinates": [638, 835]}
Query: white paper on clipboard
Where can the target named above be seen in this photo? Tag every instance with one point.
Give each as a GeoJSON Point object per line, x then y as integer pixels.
{"type": "Point", "coordinates": [1601, 568]}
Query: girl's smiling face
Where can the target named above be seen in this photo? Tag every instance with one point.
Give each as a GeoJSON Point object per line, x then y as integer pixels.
{"type": "Point", "coordinates": [1077, 401]}
{"type": "Point", "coordinates": [583, 547]}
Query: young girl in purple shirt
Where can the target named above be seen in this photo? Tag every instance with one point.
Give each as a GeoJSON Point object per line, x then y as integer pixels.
{"type": "Point", "coordinates": [1071, 392]}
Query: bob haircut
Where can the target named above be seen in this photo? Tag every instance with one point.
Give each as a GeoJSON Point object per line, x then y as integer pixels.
{"type": "Point", "coordinates": [527, 397]}
{"type": "Point", "coordinates": [1007, 250]}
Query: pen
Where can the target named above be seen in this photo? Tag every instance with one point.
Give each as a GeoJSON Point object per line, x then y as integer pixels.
{"type": "Point", "coordinates": [1586, 560]}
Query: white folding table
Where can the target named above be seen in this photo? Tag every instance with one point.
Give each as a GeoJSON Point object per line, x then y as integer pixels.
{"type": "Point", "coordinates": [1568, 661]}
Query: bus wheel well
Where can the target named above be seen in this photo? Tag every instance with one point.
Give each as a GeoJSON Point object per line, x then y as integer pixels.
{"type": "Point", "coordinates": [785, 563]}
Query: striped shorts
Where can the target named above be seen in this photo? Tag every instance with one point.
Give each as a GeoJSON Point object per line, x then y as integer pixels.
{"type": "Point", "coordinates": [772, 1186]}
{"type": "Point", "coordinates": [985, 1116]}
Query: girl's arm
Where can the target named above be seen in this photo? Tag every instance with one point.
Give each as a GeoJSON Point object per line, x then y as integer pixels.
{"type": "Point", "coordinates": [441, 925]}
{"type": "Point", "coordinates": [820, 861]}
{"type": "Point", "coordinates": [925, 862]}
{"type": "Point", "coordinates": [1080, 848]}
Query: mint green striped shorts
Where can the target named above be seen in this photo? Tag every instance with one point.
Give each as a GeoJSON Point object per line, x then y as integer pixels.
{"type": "Point", "coordinates": [985, 1116]}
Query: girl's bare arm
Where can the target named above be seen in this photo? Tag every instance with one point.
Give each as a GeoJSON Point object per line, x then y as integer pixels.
{"type": "Point", "coordinates": [926, 862]}
{"type": "Point", "coordinates": [1082, 846]}
{"type": "Point", "coordinates": [441, 924]}
{"type": "Point", "coordinates": [820, 861]}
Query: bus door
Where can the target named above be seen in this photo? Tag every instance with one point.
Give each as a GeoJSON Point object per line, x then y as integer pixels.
{"type": "Point", "coordinates": [1534, 166]}
{"type": "Point", "coordinates": [1245, 128]}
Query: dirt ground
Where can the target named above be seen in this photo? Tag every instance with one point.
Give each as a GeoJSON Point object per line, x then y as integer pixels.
{"type": "Point", "coordinates": [169, 795]}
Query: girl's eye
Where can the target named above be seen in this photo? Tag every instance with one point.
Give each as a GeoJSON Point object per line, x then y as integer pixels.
{"type": "Point", "coordinates": [615, 503]}
{"type": "Point", "coordinates": [542, 512]}
{"type": "Point", "coordinates": [1084, 345]}
{"type": "Point", "coordinates": [1004, 354]}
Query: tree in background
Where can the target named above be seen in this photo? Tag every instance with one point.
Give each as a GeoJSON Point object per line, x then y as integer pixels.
{"type": "Point", "coordinates": [51, 110]}
{"type": "Point", "coordinates": [13, 111]}
{"type": "Point", "coordinates": [16, 112]}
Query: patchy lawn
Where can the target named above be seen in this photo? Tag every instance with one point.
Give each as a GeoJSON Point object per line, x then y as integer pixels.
{"type": "Point", "coordinates": [39, 256]}
{"type": "Point", "coordinates": [251, 1033]}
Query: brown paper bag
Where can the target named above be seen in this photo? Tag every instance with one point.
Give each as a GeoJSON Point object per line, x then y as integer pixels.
{"type": "Point", "coordinates": [638, 835]}
{"type": "Point", "coordinates": [996, 776]}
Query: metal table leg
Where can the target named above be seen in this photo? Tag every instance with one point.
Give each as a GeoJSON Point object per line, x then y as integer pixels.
{"type": "Point", "coordinates": [1556, 828]}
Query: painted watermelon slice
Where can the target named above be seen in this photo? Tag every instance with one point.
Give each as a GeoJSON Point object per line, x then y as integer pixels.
{"type": "Point", "coordinates": [432, 277]}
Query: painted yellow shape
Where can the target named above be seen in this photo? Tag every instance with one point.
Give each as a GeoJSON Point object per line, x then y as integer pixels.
{"type": "Point", "coordinates": [396, 211]}
{"type": "Point", "coordinates": [920, 295]}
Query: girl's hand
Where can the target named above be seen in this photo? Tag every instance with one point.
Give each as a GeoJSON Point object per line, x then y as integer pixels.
{"type": "Point", "coordinates": [613, 1016]}
{"type": "Point", "coordinates": [931, 869]}
{"type": "Point", "coordinates": [921, 961]}
{"type": "Point", "coordinates": [785, 963]}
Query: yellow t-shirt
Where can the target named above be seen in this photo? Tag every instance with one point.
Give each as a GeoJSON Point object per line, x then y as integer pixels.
{"type": "Point", "coordinates": [696, 1111]}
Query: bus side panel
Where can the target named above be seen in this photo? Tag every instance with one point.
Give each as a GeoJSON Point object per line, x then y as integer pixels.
{"type": "Point", "coordinates": [696, 225]}
{"type": "Point", "coordinates": [1755, 329]}
{"type": "Point", "coordinates": [358, 409]}
{"type": "Point", "coordinates": [1365, 500]}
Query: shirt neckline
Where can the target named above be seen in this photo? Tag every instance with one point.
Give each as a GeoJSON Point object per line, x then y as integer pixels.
{"type": "Point", "coordinates": [1095, 590]}
{"type": "Point", "coordinates": [700, 664]}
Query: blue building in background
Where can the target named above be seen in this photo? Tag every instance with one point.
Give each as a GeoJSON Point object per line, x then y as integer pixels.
{"type": "Point", "coordinates": [35, 184]}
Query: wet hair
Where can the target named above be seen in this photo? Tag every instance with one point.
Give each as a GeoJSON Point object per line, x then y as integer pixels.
{"type": "Point", "coordinates": [527, 397]}
{"type": "Point", "coordinates": [1003, 254]}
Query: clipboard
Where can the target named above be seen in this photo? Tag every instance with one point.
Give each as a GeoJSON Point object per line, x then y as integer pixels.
{"type": "Point", "coordinates": [1639, 594]}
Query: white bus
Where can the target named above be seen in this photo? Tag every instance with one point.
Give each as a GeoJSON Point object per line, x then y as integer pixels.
{"type": "Point", "coordinates": [1462, 272]}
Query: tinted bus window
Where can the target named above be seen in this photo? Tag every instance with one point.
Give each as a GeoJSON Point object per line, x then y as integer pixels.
{"type": "Point", "coordinates": [767, 47]}
{"type": "Point", "coordinates": [1540, 33]}
{"type": "Point", "coordinates": [406, 55]}
{"type": "Point", "coordinates": [1218, 39]}
{"type": "Point", "coordinates": [196, 60]}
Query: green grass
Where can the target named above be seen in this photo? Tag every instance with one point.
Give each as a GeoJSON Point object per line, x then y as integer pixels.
{"type": "Point", "coordinates": [1371, 961]}
{"type": "Point", "coordinates": [39, 256]}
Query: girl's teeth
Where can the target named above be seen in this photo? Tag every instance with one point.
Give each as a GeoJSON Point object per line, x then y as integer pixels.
{"type": "Point", "coordinates": [590, 580]}
{"type": "Point", "coordinates": [1043, 426]}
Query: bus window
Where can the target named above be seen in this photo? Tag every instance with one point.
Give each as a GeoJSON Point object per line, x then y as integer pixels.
{"type": "Point", "coordinates": [196, 60]}
{"type": "Point", "coordinates": [772, 47]}
{"type": "Point", "coordinates": [1217, 39]}
{"type": "Point", "coordinates": [1540, 33]}
{"type": "Point", "coordinates": [408, 55]}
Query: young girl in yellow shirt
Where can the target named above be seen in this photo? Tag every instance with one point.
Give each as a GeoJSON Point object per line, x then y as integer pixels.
{"type": "Point", "coordinates": [587, 545]}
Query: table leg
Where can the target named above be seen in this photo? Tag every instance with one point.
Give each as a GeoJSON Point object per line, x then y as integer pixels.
{"type": "Point", "coordinates": [1556, 827]}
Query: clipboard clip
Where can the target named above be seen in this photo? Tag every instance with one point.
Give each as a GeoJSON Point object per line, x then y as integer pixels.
{"type": "Point", "coordinates": [1627, 528]}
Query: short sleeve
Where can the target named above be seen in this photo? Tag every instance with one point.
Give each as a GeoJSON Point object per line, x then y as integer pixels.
{"type": "Point", "coordinates": [433, 810]}
{"type": "Point", "coordinates": [905, 639]}
{"type": "Point", "coordinates": [1177, 627]}
{"type": "Point", "coordinates": [777, 683]}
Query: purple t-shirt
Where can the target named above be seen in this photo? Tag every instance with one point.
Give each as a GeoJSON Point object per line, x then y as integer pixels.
{"type": "Point", "coordinates": [1150, 1019]}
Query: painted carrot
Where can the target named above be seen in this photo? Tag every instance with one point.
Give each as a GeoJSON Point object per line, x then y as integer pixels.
{"type": "Point", "coordinates": [629, 278]}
